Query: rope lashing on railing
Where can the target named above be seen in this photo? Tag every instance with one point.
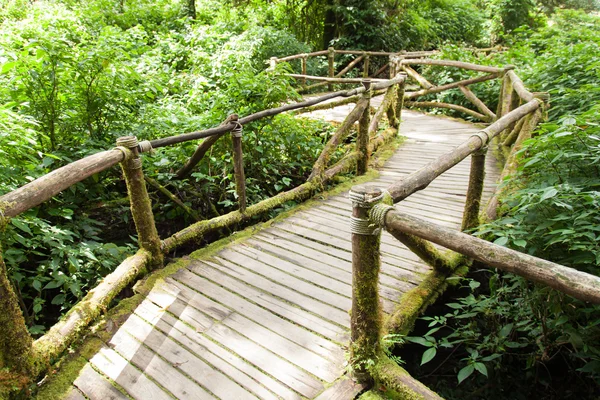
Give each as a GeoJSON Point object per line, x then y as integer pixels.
{"type": "Point", "coordinates": [145, 146]}
{"type": "Point", "coordinates": [483, 136]}
{"type": "Point", "coordinates": [364, 226]}
{"type": "Point", "coordinates": [125, 151]}
{"type": "Point", "coordinates": [238, 130]}
{"type": "Point", "coordinates": [378, 212]}
{"type": "Point", "coordinates": [130, 142]}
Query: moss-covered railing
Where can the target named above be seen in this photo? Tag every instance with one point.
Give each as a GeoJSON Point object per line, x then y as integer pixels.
{"type": "Point", "coordinates": [23, 359]}
{"type": "Point", "coordinates": [517, 115]}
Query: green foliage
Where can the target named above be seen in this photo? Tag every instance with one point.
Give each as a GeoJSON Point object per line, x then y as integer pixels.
{"type": "Point", "coordinates": [75, 76]}
{"type": "Point", "coordinates": [522, 335]}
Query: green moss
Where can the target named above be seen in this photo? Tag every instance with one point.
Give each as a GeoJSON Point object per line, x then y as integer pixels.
{"type": "Point", "coordinates": [373, 395]}
{"type": "Point", "coordinates": [398, 383]}
{"type": "Point", "coordinates": [414, 302]}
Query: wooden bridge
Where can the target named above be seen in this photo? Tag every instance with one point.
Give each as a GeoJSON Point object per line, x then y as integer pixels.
{"type": "Point", "coordinates": [267, 316]}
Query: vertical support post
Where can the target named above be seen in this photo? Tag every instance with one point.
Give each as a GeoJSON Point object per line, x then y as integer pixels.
{"type": "Point", "coordinates": [304, 71]}
{"type": "Point", "coordinates": [362, 139]}
{"type": "Point", "coordinates": [141, 206]}
{"type": "Point", "coordinates": [16, 352]}
{"type": "Point", "coordinates": [331, 61]}
{"type": "Point", "coordinates": [400, 102]}
{"type": "Point", "coordinates": [272, 62]}
{"type": "Point", "coordinates": [476, 180]}
{"type": "Point", "coordinates": [366, 316]}
{"type": "Point", "coordinates": [505, 91]}
{"type": "Point", "coordinates": [392, 66]}
{"type": "Point", "coordinates": [366, 66]}
{"type": "Point", "coordinates": [391, 110]}
{"type": "Point", "coordinates": [238, 167]}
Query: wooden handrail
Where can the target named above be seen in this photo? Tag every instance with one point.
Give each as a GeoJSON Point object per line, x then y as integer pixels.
{"type": "Point", "coordinates": [44, 188]}
{"type": "Point", "coordinates": [452, 63]}
{"type": "Point", "coordinates": [580, 285]}
{"type": "Point", "coordinates": [421, 178]}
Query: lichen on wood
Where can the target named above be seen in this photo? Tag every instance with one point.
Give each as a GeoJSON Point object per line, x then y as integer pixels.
{"type": "Point", "coordinates": [16, 353]}
{"type": "Point", "coordinates": [141, 206]}
{"type": "Point", "coordinates": [474, 191]}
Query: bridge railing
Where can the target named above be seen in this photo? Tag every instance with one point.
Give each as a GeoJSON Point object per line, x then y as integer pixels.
{"type": "Point", "coordinates": [24, 356]}
{"type": "Point", "coordinates": [517, 115]}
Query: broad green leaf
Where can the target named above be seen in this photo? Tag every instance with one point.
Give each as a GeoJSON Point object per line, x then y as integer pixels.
{"type": "Point", "coordinates": [481, 368]}
{"type": "Point", "coordinates": [465, 373]}
{"type": "Point", "coordinates": [428, 355]}
{"type": "Point", "coordinates": [506, 330]}
{"type": "Point", "coordinates": [501, 241]}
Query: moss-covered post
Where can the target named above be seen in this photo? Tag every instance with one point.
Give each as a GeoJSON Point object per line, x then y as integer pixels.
{"type": "Point", "coordinates": [331, 61]}
{"type": "Point", "coordinates": [362, 139]}
{"type": "Point", "coordinates": [366, 66]}
{"type": "Point", "coordinates": [366, 318]}
{"type": "Point", "coordinates": [505, 93]}
{"type": "Point", "coordinates": [303, 59]}
{"type": "Point", "coordinates": [238, 167]}
{"type": "Point", "coordinates": [545, 97]}
{"type": "Point", "coordinates": [400, 98]}
{"type": "Point", "coordinates": [141, 207]}
{"type": "Point", "coordinates": [475, 190]}
{"type": "Point", "coordinates": [15, 341]}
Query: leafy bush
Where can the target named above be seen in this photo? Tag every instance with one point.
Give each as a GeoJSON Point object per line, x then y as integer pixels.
{"type": "Point", "coordinates": [550, 209]}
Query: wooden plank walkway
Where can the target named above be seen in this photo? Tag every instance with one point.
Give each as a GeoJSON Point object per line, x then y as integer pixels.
{"type": "Point", "coordinates": [268, 318]}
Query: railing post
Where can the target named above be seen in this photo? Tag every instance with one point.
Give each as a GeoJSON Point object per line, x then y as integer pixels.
{"type": "Point", "coordinates": [366, 66]}
{"type": "Point", "coordinates": [475, 190]}
{"type": "Point", "coordinates": [362, 138]}
{"type": "Point", "coordinates": [331, 61]}
{"type": "Point", "coordinates": [238, 167]}
{"type": "Point", "coordinates": [366, 315]}
{"type": "Point", "coordinates": [400, 102]}
{"type": "Point", "coordinates": [304, 70]}
{"type": "Point", "coordinates": [141, 206]}
{"type": "Point", "coordinates": [272, 62]}
{"type": "Point", "coordinates": [505, 93]}
{"type": "Point", "coordinates": [15, 341]}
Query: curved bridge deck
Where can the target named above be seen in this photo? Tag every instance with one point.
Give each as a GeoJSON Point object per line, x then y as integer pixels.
{"type": "Point", "coordinates": [268, 317]}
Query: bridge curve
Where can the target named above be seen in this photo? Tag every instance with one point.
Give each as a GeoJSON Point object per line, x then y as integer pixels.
{"type": "Point", "coordinates": [267, 316]}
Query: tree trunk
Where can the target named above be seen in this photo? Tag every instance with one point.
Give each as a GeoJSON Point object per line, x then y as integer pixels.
{"type": "Point", "coordinates": [329, 25]}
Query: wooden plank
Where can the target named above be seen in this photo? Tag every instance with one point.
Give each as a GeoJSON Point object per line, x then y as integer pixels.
{"type": "Point", "coordinates": [296, 269]}
{"type": "Point", "coordinates": [330, 262]}
{"type": "Point", "coordinates": [236, 368]}
{"type": "Point", "coordinates": [346, 280]}
{"type": "Point", "coordinates": [389, 252]}
{"type": "Point", "coordinates": [304, 358]}
{"type": "Point", "coordinates": [205, 375]}
{"type": "Point", "coordinates": [310, 304]}
{"type": "Point", "coordinates": [344, 389]}
{"type": "Point", "coordinates": [74, 394]}
{"type": "Point", "coordinates": [183, 309]}
{"type": "Point", "coordinates": [300, 336]}
{"type": "Point", "coordinates": [95, 386]}
{"type": "Point", "coordinates": [286, 372]}
{"type": "Point", "coordinates": [164, 373]}
{"type": "Point", "coordinates": [256, 263]}
{"type": "Point", "coordinates": [391, 264]}
{"type": "Point", "coordinates": [285, 348]}
{"type": "Point", "coordinates": [132, 380]}
{"type": "Point", "coordinates": [274, 305]}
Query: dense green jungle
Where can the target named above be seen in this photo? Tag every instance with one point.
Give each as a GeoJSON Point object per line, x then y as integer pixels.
{"type": "Point", "coordinates": [75, 76]}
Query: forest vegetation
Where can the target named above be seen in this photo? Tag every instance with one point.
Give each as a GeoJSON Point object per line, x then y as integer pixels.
{"type": "Point", "coordinates": [75, 76]}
